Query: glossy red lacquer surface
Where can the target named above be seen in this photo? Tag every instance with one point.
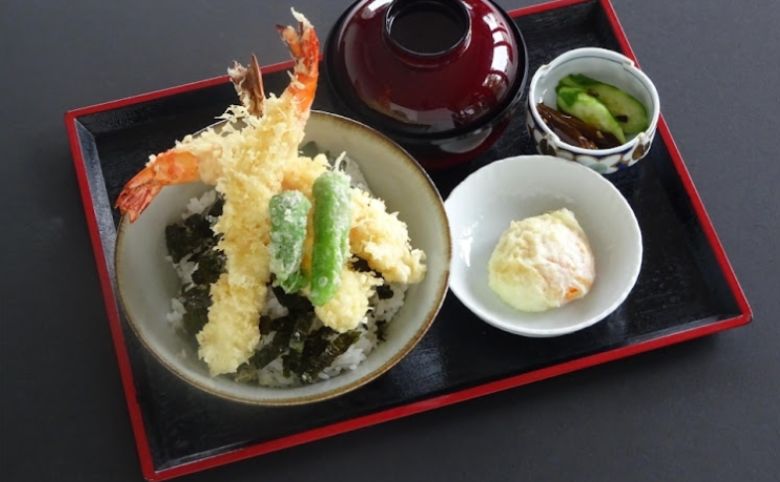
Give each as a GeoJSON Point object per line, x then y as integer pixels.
{"type": "Point", "coordinates": [414, 92]}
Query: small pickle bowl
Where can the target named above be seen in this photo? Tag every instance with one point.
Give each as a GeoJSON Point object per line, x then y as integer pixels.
{"type": "Point", "coordinates": [481, 208]}
{"type": "Point", "coordinates": [146, 280]}
{"type": "Point", "coordinates": [608, 67]}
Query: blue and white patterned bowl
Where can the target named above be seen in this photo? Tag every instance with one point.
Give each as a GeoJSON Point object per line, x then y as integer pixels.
{"type": "Point", "coordinates": [609, 67]}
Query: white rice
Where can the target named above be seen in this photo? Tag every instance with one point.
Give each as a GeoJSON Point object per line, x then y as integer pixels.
{"type": "Point", "coordinates": [272, 375]}
{"type": "Point", "coordinates": [185, 268]}
{"type": "Point", "coordinates": [356, 177]}
{"type": "Point", "coordinates": [176, 314]}
{"type": "Point", "coordinates": [200, 204]}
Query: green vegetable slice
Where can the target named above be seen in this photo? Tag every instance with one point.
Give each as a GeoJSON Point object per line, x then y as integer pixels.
{"type": "Point", "coordinates": [332, 218]}
{"type": "Point", "coordinates": [630, 114]}
{"type": "Point", "coordinates": [577, 102]}
{"type": "Point", "coordinates": [289, 213]}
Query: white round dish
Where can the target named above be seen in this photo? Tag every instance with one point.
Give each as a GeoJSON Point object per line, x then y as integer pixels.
{"type": "Point", "coordinates": [606, 66]}
{"type": "Point", "coordinates": [481, 208]}
{"type": "Point", "coordinates": [146, 280]}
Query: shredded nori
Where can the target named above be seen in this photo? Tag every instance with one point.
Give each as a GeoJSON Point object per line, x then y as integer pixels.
{"type": "Point", "coordinates": [300, 330]}
{"type": "Point", "coordinates": [311, 149]}
{"type": "Point", "coordinates": [291, 362]}
{"type": "Point", "coordinates": [294, 302]}
{"type": "Point", "coordinates": [179, 241]}
{"type": "Point", "coordinates": [211, 264]}
{"type": "Point", "coordinates": [308, 353]}
{"type": "Point", "coordinates": [304, 353]}
{"type": "Point", "coordinates": [196, 301]}
{"type": "Point", "coordinates": [384, 292]}
{"type": "Point", "coordinates": [271, 351]}
{"type": "Point", "coordinates": [289, 334]}
{"type": "Point", "coordinates": [312, 365]}
{"type": "Point", "coordinates": [381, 330]}
{"type": "Point", "coordinates": [215, 210]}
{"type": "Point", "coordinates": [194, 237]}
{"type": "Point", "coordinates": [360, 265]}
{"type": "Point", "coordinates": [246, 373]}
{"type": "Point", "coordinates": [313, 347]}
{"type": "Point", "coordinates": [265, 325]}
{"type": "Point", "coordinates": [200, 227]}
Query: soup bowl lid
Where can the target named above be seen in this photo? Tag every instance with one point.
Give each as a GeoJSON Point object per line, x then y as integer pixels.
{"type": "Point", "coordinates": [420, 68]}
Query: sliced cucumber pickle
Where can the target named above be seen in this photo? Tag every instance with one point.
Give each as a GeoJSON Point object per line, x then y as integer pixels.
{"type": "Point", "coordinates": [626, 109]}
{"type": "Point", "coordinates": [575, 101]}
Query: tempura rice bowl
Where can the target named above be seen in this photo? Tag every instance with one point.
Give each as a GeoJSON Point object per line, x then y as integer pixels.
{"type": "Point", "coordinates": [147, 281]}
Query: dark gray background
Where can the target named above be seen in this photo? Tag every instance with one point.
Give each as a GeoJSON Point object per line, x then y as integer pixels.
{"type": "Point", "coordinates": [704, 411]}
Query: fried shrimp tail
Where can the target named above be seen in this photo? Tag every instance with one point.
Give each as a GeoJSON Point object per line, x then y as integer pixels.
{"type": "Point", "coordinates": [305, 49]}
{"type": "Point", "coordinates": [171, 167]}
{"type": "Point", "coordinates": [248, 83]}
{"type": "Point", "coordinates": [182, 165]}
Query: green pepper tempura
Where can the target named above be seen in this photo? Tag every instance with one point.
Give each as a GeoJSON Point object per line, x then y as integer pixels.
{"type": "Point", "coordinates": [332, 219]}
{"type": "Point", "coordinates": [289, 214]}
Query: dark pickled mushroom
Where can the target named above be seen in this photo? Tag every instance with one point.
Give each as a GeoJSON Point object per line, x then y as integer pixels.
{"type": "Point", "coordinates": [568, 134]}
{"type": "Point", "coordinates": [574, 131]}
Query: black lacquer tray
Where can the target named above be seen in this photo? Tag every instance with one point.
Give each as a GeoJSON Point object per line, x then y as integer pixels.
{"type": "Point", "coordinates": [686, 288]}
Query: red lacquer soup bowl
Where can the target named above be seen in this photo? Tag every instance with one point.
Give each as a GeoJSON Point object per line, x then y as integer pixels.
{"type": "Point", "coordinates": [441, 77]}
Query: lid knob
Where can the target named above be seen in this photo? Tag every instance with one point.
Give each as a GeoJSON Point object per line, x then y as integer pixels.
{"type": "Point", "coordinates": [422, 32]}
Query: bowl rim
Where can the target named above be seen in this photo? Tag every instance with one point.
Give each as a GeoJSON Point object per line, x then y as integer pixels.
{"type": "Point", "coordinates": [503, 325]}
{"type": "Point", "coordinates": [603, 55]}
{"type": "Point", "coordinates": [366, 114]}
{"type": "Point", "coordinates": [441, 288]}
